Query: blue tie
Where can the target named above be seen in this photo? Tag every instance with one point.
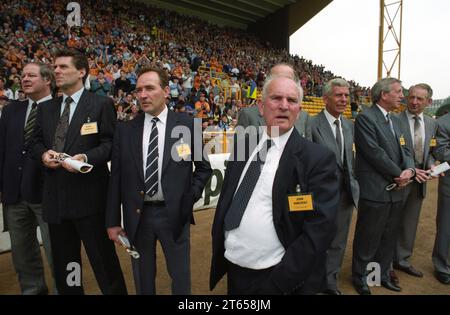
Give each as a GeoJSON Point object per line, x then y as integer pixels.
{"type": "Point", "coordinates": [151, 167]}
{"type": "Point", "coordinates": [240, 200]}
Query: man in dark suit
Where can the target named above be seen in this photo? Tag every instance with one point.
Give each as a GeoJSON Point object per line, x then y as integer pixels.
{"type": "Point", "coordinates": [271, 232]}
{"type": "Point", "coordinates": [419, 132]}
{"type": "Point", "coordinates": [80, 124]}
{"type": "Point", "coordinates": [382, 159]}
{"type": "Point", "coordinates": [21, 180]}
{"type": "Point", "coordinates": [153, 179]}
{"type": "Point", "coordinates": [331, 129]}
{"type": "Point", "coordinates": [250, 116]}
{"type": "Point", "coordinates": [441, 249]}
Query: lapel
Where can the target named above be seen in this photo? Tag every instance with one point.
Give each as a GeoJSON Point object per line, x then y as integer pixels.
{"type": "Point", "coordinates": [348, 141]}
{"type": "Point", "coordinates": [288, 163]}
{"type": "Point", "coordinates": [171, 122]}
{"type": "Point", "coordinates": [327, 135]}
{"type": "Point", "coordinates": [21, 115]}
{"type": "Point", "coordinates": [428, 135]}
{"type": "Point", "coordinates": [54, 109]}
{"type": "Point", "coordinates": [136, 138]}
{"type": "Point", "coordinates": [407, 130]}
{"type": "Point", "coordinates": [386, 129]}
{"type": "Point", "coordinates": [78, 119]}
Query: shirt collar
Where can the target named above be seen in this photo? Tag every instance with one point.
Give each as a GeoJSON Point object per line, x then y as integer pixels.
{"type": "Point", "coordinates": [48, 97]}
{"type": "Point", "coordinates": [75, 96]}
{"type": "Point", "coordinates": [331, 119]}
{"type": "Point", "coordinates": [411, 116]}
{"type": "Point", "coordinates": [383, 111]}
{"type": "Point", "coordinates": [162, 116]}
{"type": "Point", "coordinates": [280, 141]}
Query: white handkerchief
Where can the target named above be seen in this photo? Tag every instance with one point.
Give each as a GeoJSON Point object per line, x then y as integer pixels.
{"type": "Point", "coordinates": [79, 166]}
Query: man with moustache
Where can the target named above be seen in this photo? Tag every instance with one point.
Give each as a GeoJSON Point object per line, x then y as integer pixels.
{"type": "Point", "coordinates": [153, 157]}
{"type": "Point", "coordinates": [21, 180]}
{"type": "Point", "coordinates": [80, 124]}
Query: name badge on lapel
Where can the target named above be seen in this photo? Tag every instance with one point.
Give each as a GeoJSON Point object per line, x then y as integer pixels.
{"type": "Point", "coordinates": [402, 140]}
{"type": "Point", "coordinates": [433, 142]}
{"type": "Point", "coordinates": [300, 201]}
{"type": "Point", "coordinates": [183, 150]}
{"type": "Point", "coordinates": [89, 128]}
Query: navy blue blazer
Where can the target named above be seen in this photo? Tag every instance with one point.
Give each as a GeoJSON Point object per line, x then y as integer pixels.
{"type": "Point", "coordinates": [20, 175]}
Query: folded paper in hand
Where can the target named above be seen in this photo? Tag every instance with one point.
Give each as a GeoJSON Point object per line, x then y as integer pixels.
{"type": "Point", "coordinates": [81, 167]}
{"type": "Point", "coordinates": [441, 168]}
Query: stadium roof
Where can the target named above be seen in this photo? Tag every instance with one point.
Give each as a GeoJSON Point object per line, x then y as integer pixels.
{"type": "Point", "coordinates": [241, 13]}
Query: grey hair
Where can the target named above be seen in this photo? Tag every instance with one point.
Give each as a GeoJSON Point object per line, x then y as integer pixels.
{"type": "Point", "coordinates": [425, 87]}
{"type": "Point", "coordinates": [328, 87]}
{"type": "Point", "coordinates": [384, 85]}
{"type": "Point", "coordinates": [269, 80]}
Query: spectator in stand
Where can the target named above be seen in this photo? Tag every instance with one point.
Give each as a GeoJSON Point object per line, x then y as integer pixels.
{"type": "Point", "coordinates": [202, 107]}
{"type": "Point", "coordinates": [122, 83]}
{"type": "Point", "coordinates": [100, 85]}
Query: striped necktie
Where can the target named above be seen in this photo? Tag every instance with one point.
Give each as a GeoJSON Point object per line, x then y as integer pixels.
{"type": "Point", "coordinates": [151, 167]}
{"type": "Point", "coordinates": [29, 126]}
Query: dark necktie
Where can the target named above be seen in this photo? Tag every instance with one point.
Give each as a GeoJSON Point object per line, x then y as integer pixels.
{"type": "Point", "coordinates": [63, 127]}
{"type": "Point", "coordinates": [29, 126]}
{"type": "Point", "coordinates": [418, 142]}
{"type": "Point", "coordinates": [337, 122]}
{"type": "Point", "coordinates": [151, 166]}
{"type": "Point", "coordinates": [391, 125]}
{"type": "Point", "coordinates": [240, 200]}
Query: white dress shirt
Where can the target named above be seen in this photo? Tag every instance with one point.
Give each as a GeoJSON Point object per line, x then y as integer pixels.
{"type": "Point", "coordinates": [30, 105]}
{"type": "Point", "coordinates": [73, 106]}
{"type": "Point", "coordinates": [255, 244]}
{"type": "Point", "coordinates": [161, 125]}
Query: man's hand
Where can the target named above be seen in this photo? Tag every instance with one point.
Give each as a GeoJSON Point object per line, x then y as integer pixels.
{"type": "Point", "coordinates": [49, 159]}
{"type": "Point", "coordinates": [432, 169]}
{"type": "Point", "coordinates": [404, 179]}
{"type": "Point", "coordinates": [422, 176]}
{"type": "Point", "coordinates": [114, 232]}
{"type": "Point", "coordinates": [79, 157]}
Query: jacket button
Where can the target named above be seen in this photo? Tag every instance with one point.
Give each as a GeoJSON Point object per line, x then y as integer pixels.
{"type": "Point", "coordinates": [138, 211]}
{"type": "Point", "coordinates": [20, 168]}
{"type": "Point", "coordinates": [23, 152]}
{"type": "Point", "coordinates": [141, 193]}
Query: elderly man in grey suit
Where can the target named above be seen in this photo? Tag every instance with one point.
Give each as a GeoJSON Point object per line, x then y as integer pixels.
{"type": "Point", "coordinates": [419, 133]}
{"type": "Point", "coordinates": [441, 251]}
{"type": "Point", "coordinates": [382, 159]}
{"type": "Point", "coordinates": [331, 129]}
{"type": "Point", "coordinates": [250, 116]}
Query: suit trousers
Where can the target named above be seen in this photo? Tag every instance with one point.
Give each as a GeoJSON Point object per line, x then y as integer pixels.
{"type": "Point", "coordinates": [335, 254]}
{"type": "Point", "coordinates": [66, 239]}
{"type": "Point", "coordinates": [441, 250]}
{"type": "Point", "coordinates": [245, 281]}
{"type": "Point", "coordinates": [408, 225]}
{"type": "Point", "coordinates": [23, 219]}
{"type": "Point", "coordinates": [154, 225]}
{"type": "Point", "coordinates": [375, 237]}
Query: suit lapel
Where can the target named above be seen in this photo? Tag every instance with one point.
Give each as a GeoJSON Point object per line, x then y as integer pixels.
{"type": "Point", "coordinates": [327, 135]}
{"type": "Point", "coordinates": [21, 116]}
{"type": "Point", "coordinates": [136, 138]}
{"type": "Point", "coordinates": [168, 140]}
{"type": "Point", "coordinates": [386, 129]}
{"type": "Point", "coordinates": [77, 120]}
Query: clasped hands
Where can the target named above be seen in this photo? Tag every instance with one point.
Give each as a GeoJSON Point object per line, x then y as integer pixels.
{"type": "Point", "coordinates": [53, 160]}
{"type": "Point", "coordinates": [407, 176]}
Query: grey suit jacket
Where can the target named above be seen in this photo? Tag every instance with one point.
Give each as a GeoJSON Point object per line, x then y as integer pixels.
{"type": "Point", "coordinates": [322, 134]}
{"type": "Point", "coordinates": [379, 156]}
{"type": "Point", "coordinates": [442, 151]}
{"type": "Point", "coordinates": [250, 116]}
{"type": "Point", "coordinates": [430, 132]}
